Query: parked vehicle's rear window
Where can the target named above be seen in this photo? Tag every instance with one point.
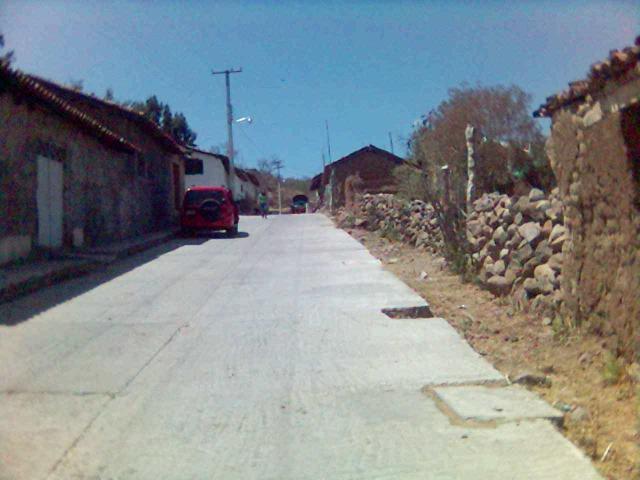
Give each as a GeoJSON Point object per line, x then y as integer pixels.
{"type": "Point", "coordinates": [196, 197]}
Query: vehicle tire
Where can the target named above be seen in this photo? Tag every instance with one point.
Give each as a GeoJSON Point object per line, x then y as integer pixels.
{"type": "Point", "coordinates": [233, 231]}
{"type": "Point", "coordinates": [210, 210]}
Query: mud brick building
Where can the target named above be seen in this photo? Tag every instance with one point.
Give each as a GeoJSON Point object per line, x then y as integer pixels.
{"type": "Point", "coordinates": [76, 170]}
{"type": "Point", "coordinates": [373, 165]}
{"type": "Point", "coordinates": [594, 150]}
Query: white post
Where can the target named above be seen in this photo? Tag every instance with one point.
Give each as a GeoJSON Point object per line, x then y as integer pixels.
{"type": "Point", "coordinates": [470, 135]}
{"type": "Point", "coordinates": [279, 198]}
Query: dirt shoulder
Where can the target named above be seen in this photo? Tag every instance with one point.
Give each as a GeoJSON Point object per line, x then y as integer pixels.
{"type": "Point", "coordinates": [600, 416]}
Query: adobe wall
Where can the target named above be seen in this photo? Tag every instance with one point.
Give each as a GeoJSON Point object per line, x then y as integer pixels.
{"type": "Point", "coordinates": [102, 193]}
{"type": "Point", "coordinates": [156, 156]}
{"type": "Point", "coordinates": [601, 269]}
{"type": "Point", "coordinates": [375, 171]}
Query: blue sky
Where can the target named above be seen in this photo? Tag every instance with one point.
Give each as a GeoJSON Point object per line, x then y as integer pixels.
{"type": "Point", "coordinates": [367, 67]}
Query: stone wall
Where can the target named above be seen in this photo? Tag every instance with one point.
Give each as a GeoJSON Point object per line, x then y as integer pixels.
{"type": "Point", "coordinates": [516, 242]}
{"type": "Point", "coordinates": [412, 222]}
{"type": "Point", "coordinates": [517, 246]}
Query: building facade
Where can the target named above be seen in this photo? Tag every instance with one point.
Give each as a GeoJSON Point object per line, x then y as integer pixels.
{"type": "Point", "coordinates": [206, 169]}
{"type": "Point", "coordinates": [70, 179]}
{"type": "Point", "coordinates": [594, 149]}
{"type": "Point", "coordinates": [374, 166]}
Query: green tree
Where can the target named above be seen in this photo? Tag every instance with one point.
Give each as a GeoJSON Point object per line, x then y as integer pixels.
{"type": "Point", "coordinates": [7, 57]}
{"type": "Point", "coordinates": [438, 149]}
{"type": "Point", "coordinates": [181, 131]}
{"type": "Point", "coordinates": [108, 94]}
{"type": "Point", "coordinates": [502, 116]}
{"type": "Point", "coordinates": [174, 124]}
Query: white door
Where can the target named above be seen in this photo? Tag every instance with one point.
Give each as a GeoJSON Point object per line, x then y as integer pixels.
{"type": "Point", "coordinates": [49, 200]}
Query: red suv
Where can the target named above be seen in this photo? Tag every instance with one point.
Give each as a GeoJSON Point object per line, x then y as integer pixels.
{"type": "Point", "coordinates": [209, 208]}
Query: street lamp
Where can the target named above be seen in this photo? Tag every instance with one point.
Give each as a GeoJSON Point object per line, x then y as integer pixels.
{"type": "Point", "coordinates": [244, 119]}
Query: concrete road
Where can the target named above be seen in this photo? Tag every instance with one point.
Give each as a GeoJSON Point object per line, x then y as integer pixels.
{"type": "Point", "coordinates": [261, 357]}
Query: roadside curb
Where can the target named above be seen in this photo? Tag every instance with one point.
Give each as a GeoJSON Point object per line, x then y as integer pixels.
{"type": "Point", "coordinates": [39, 281]}
{"type": "Point", "coordinates": [85, 262]}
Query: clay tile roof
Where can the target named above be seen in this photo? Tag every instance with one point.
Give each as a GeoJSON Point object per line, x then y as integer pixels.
{"type": "Point", "coordinates": [369, 148]}
{"type": "Point", "coordinates": [252, 178]}
{"type": "Point", "coordinates": [316, 182]}
{"type": "Point", "coordinates": [241, 174]}
{"type": "Point", "coordinates": [70, 96]}
{"type": "Point", "coordinates": [31, 88]}
{"type": "Point", "coordinates": [619, 63]}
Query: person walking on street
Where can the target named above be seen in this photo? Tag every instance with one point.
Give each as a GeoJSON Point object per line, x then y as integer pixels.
{"type": "Point", "coordinates": [263, 201]}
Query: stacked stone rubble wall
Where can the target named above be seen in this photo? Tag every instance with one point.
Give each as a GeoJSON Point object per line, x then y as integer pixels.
{"type": "Point", "coordinates": [516, 242]}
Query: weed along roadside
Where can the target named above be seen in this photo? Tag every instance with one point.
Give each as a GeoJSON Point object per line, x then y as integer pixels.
{"type": "Point", "coordinates": [561, 364]}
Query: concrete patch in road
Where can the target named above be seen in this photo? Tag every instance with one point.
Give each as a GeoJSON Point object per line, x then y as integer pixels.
{"type": "Point", "coordinates": [487, 404]}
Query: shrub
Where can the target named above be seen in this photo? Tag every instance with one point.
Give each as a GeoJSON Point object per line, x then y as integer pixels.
{"type": "Point", "coordinates": [612, 372]}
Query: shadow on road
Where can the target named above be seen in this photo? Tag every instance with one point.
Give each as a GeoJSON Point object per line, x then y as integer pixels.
{"type": "Point", "coordinates": [26, 307]}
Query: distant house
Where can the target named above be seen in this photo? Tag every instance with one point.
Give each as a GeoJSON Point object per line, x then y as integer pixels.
{"type": "Point", "coordinates": [315, 186]}
{"type": "Point", "coordinates": [246, 189]}
{"type": "Point", "coordinates": [372, 164]}
{"type": "Point", "coordinates": [77, 170]}
{"type": "Point", "coordinates": [253, 188]}
{"type": "Point", "coordinates": [205, 168]}
{"type": "Point", "coordinates": [594, 150]}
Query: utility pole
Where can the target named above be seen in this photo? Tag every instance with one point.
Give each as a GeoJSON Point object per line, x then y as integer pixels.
{"type": "Point", "coordinates": [278, 164]}
{"type": "Point", "coordinates": [326, 124]}
{"type": "Point", "coordinates": [391, 142]}
{"type": "Point", "coordinates": [229, 122]}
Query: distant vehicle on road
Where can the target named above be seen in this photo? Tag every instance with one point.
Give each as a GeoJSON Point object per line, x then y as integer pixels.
{"type": "Point", "coordinates": [299, 204]}
{"type": "Point", "coordinates": [209, 208]}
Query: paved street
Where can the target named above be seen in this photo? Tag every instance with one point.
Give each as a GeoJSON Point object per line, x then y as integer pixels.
{"type": "Point", "coordinates": [261, 357]}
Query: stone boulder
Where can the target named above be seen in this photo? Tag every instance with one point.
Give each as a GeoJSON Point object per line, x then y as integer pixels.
{"type": "Point", "coordinates": [535, 195]}
{"type": "Point", "coordinates": [546, 278]}
{"type": "Point", "coordinates": [555, 262]}
{"type": "Point", "coordinates": [499, 267]}
{"type": "Point", "coordinates": [557, 232]}
{"type": "Point", "coordinates": [499, 285]}
{"type": "Point", "coordinates": [530, 231]}
{"type": "Point", "coordinates": [523, 254]}
{"type": "Point", "coordinates": [500, 235]}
